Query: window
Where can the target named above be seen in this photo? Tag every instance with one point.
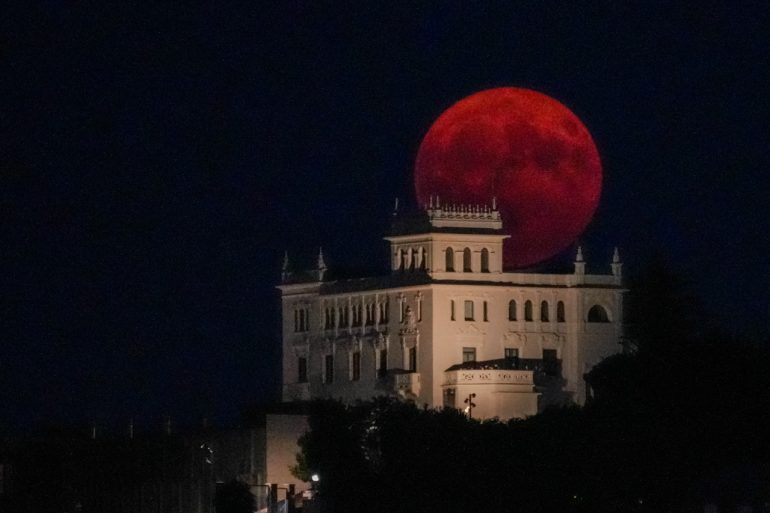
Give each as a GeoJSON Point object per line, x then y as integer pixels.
{"type": "Point", "coordinates": [369, 314]}
{"type": "Point", "coordinates": [382, 363]}
{"type": "Point", "coordinates": [452, 310]}
{"type": "Point", "coordinates": [512, 310]}
{"type": "Point", "coordinates": [402, 264]}
{"type": "Point", "coordinates": [449, 398]}
{"type": "Point", "coordinates": [550, 363]}
{"type": "Point", "coordinates": [467, 260]}
{"type": "Point", "coordinates": [355, 366]}
{"type": "Point", "coordinates": [468, 310]}
{"type": "Point", "coordinates": [450, 260]}
{"type": "Point", "coordinates": [511, 357]}
{"type": "Point", "coordinates": [329, 368]}
{"type": "Point", "coordinates": [413, 259]}
{"type": "Point", "coordinates": [301, 370]}
{"type": "Point", "coordinates": [413, 359]}
{"type": "Point", "coordinates": [469, 354]}
{"type": "Point", "coordinates": [485, 260]}
{"type": "Point", "coordinates": [597, 313]}
{"type": "Point", "coordinates": [342, 315]}
{"type": "Point", "coordinates": [357, 317]}
{"type": "Point", "coordinates": [421, 254]}
{"type": "Point", "coordinates": [544, 311]}
{"type": "Point", "coordinates": [384, 311]}
{"type": "Point", "coordinates": [560, 311]}
{"type": "Point", "coordinates": [486, 312]}
{"type": "Point", "coordinates": [528, 310]}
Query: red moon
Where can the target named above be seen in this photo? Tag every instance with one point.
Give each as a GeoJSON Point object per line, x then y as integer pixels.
{"type": "Point", "coordinates": [527, 150]}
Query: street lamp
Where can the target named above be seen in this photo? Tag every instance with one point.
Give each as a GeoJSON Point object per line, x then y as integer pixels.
{"type": "Point", "coordinates": [471, 405]}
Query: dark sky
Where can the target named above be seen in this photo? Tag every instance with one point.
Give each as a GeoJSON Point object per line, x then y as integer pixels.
{"type": "Point", "coordinates": [156, 161]}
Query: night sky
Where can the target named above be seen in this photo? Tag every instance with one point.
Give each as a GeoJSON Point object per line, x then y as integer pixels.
{"type": "Point", "coordinates": [156, 161]}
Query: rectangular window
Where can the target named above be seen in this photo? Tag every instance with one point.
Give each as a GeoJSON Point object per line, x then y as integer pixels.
{"type": "Point", "coordinates": [511, 357]}
{"type": "Point", "coordinates": [382, 367]}
{"type": "Point", "coordinates": [302, 370]}
{"type": "Point", "coordinates": [550, 363]}
{"type": "Point", "coordinates": [452, 310]}
{"type": "Point", "coordinates": [449, 398]}
{"type": "Point", "coordinates": [469, 354]}
{"type": "Point", "coordinates": [469, 310]}
{"type": "Point", "coordinates": [355, 366]}
{"type": "Point", "coordinates": [329, 368]}
{"type": "Point", "coordinates": [486, 312]}
{"type": "Point", "coordinates": [413, 359]}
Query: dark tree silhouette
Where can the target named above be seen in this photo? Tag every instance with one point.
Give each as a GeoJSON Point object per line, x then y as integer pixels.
{"type": "Point", "coordinates": [234, 497]}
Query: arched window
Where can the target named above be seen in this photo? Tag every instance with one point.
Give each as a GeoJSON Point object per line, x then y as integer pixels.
{"type": "Point", "coordinates": [485, 260]}
{"type": "Point", "coordinates": [413, 259]}
{"type": "Point", "coordinates": [544, 317]}
{"type": "Point", "coordinates": [467, 260]}
{"type": "Point", "coordinates": [512, 310]}
{"type": "Point", "coordinates": [597, 313]}
{"type": "Point", "coordinates": [528, 310]}
{"type": "Point", "coordinates": [422, 258]}
{"type": "Point", "coordinates": [450, 260]}
{"type": "Point", "coordinates": [402, 265]}
{"type": "Point", "coordinates": [560, 311]}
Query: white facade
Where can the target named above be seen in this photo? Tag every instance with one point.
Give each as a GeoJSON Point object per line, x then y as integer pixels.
{"type": "Point", "coordinates": [448, 322]}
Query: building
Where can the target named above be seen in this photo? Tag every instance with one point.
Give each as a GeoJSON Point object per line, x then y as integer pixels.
{"type": "Point", "coordinates": [449, 322]}
{"type": "Point", "coordinates": [152, 472]}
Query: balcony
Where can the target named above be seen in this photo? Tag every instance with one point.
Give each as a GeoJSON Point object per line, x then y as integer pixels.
{"type": "Point", "coordinates": [402, 382]}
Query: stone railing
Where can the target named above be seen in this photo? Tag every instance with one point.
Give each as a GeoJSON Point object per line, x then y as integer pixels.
{"type": "Point", "coordinates": [489, 377]}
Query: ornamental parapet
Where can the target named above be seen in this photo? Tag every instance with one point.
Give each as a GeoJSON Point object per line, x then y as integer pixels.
{"type": "Point", "coordinates": [489, 377]}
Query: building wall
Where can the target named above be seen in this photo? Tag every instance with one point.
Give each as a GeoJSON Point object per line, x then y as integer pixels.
{"type": "Point", "coordinates": [281, 435]}
{"type": "Point", "coordinates": [440, 340]}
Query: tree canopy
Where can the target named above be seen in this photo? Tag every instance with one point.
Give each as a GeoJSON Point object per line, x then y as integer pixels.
{"type": "Point", "coordinates": [677, 420]}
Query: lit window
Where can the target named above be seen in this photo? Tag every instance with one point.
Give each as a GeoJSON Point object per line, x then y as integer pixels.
{"type": "Point", "coordinates": [469, 354]}
{"type": "Point", "coordinates": [468, 310]}
{"type": "Point", "coordinates": [512, 310]}
{"type": "Point", "coordinates": [544, 311]}
{"type": "Point", "coordinates": [560, 317]}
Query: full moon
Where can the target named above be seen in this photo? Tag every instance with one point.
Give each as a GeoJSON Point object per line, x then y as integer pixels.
{"type": "Point", "coordinates": [527, 150]}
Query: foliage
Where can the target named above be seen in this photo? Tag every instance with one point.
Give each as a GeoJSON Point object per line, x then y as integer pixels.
{"type": "Point", "coordinates": [234, 497]}
{"type": "Point", "coordinates": [681, 415]}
